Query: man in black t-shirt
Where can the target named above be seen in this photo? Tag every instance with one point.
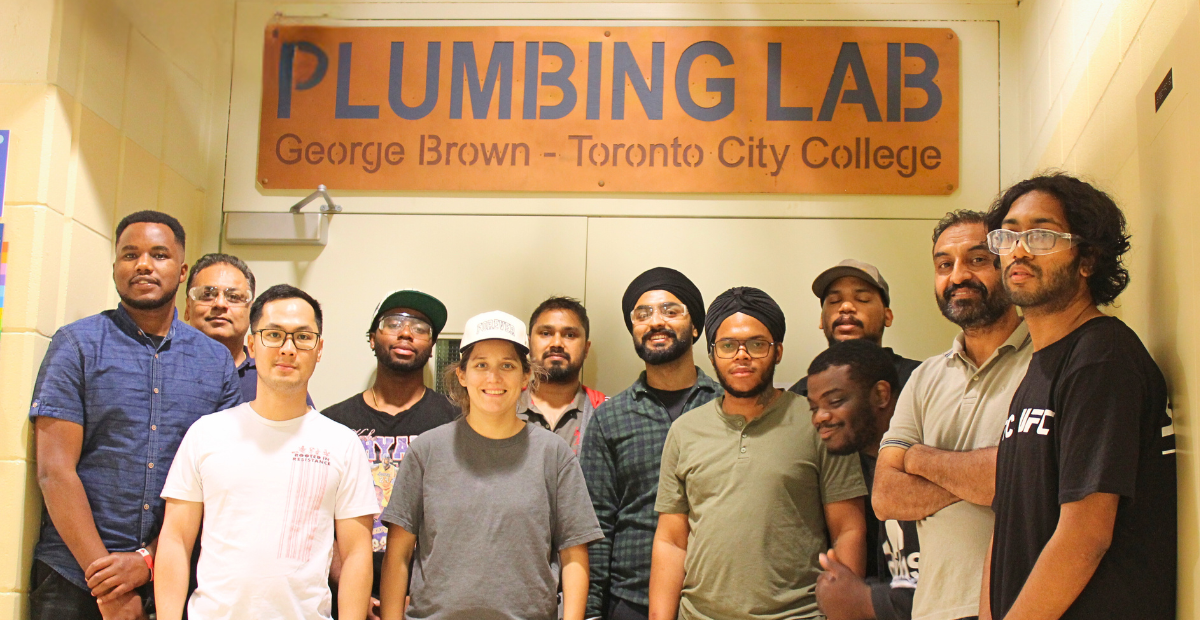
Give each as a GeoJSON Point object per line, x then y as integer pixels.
{"type": "Point", "coordinates": [1085, 473]}
{"type": "Point", "coordinates": [856, 304]}
{"type": "Point", "coordinates": [398, 406]}
{"type": "Point", "coordinates": [852, 393]}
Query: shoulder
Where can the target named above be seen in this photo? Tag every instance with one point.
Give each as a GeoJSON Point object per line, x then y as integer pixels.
{"type": "Point", "coordinates": [218, 422]}
{"type": "Point", "coordinates": [438, 403]}
{"type": "Point", "coordinates": [338, 411]}
{"type": "Point", "coordinates": [200, 345]}
{"type": "Point", "coordinates": [435, 437]}
{"type": "Point", "coordinates": [1109, 341]}
{"type": "Point", "coordinates": [316, 422]}
{"type": "Point", "coordinates": [616, 405]}
{"type": "Point", "coordinates": [699, 416]}
{"type": "Point", "coordinates": [86, 330]}
{"type": "Point", "coordinates": [550, 443]}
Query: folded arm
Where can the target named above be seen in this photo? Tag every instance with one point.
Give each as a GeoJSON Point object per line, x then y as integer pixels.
{"type": "Point", "coordinates": [900, 495]}
{"type": "Point", "coordinates": [970, 476]}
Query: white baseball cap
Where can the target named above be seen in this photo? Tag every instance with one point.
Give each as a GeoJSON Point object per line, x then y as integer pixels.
{"type": "Point", "coordinates": [495, 325]}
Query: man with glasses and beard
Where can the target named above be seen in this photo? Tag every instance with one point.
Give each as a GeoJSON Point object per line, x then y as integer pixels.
{"type": "Point", "coordinates": [749, 496]}
{"type": "Point", "coordinates": [937, 461]}
{"type": "Point", "coordinates": [397, 407]}
{"type": "Point", "coordinates": [558, 340]}
{"type": "Point", "coordinates": [622, 448]}
{"type": "Point", "coordinates": [115, 394]}
{"type": "Point", "coordinates": [855, 303]}
{"type": "Point", "coordinates": [852, 395]}
{"type": "Point", "coordinates": [1085, 496]}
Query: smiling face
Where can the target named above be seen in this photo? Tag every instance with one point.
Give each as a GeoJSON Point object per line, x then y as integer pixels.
{"type": "Point", "coordinates": [843, 411]}
{"type": "Point", "coordinates": [1046, 281]}
{"type": "Point", "coordinates": [744, 376]}
{"type": "Point", "coordinates": [853, 309]}
{"type": "Point", "coordinates": [286, 368]}
{"type": "Point", "coordinates": [493, 377]}
{"type": "Point", "coordinates": [402, 350]}
{"type": "Point", "coordinates": [967, 280]}
{"type": "Point", "coordinates": [659, 340]}
{"type": "Point", "coordinates": [219, 319]}
{"type": "Point", "coordinates": [558, 342]}
{"type": "Point", "coordinates": [149, 266]}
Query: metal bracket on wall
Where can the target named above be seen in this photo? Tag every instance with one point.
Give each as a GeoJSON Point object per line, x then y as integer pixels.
{"type": "Point", "coordinates": [291, 228]}
{"type": "Point", "coordinates": [328, 207]}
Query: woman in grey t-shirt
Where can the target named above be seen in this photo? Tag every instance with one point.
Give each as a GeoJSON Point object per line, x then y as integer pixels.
{"type": "Point", "coordinates": [495, 506]}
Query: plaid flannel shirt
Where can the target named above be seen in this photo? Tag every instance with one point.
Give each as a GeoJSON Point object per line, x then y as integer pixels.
{"type": "Point", "coordinates": [621, 458]}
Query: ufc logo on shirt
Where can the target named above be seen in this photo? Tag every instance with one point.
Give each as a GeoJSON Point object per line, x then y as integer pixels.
{"type": "Point", "coordinates": [1035, 419]}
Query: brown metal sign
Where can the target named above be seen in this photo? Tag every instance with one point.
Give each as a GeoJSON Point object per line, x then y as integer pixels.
{"type": "Point", "coordinates": [793, 110]}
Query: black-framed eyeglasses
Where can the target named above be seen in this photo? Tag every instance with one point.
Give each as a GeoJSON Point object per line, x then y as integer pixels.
{"type": "Point", "coordinates": [727, 348]}
{"type": "Point", "coordinates": [301, 339]}
{"type": "Point", "coordinates": [1038, 241]}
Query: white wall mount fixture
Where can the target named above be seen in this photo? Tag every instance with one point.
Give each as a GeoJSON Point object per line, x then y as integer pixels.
{"type": "Point", "coordinates": [291, 228]}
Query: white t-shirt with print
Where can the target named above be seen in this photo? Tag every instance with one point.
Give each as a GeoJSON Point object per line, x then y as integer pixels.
{"type": "Point", "coordinates": [271, 492]}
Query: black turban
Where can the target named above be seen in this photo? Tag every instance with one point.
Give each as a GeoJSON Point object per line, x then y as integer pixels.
{"type": "Point", "coordinates": [749, 301]}
{"type": "Point", "coordinates": [671, 281]}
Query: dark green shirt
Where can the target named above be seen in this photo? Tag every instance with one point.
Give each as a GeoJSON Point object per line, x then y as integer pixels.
{"type": "Point", "coordinates": [621, 458]}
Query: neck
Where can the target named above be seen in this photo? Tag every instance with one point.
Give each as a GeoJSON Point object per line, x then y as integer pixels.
{"type": "Point", "coordinates": [1048, 326]}
{"type": "Point", "coordinates": [554, 399]}
{"type": "Point", "coordinates": [237, 349]}
{"type": "Point", "coordinates": [496, 425]}
{"type": "Point", "coordinates": [752, 407]}
{"type": "Point", "coordinates": [156, 322]}
{"type": "Point", "coordinates": [677, 375]}
{"type": "Point", "coordinates": [394, 392]}
{"type": "Point", "coordinates": [280, 406]}
{"type": "Point", "coordinates": [981, 342]}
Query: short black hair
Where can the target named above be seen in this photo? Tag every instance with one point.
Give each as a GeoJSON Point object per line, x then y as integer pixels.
{"type": "Point", "coordinates": [954, 218]}
{"type": "Point", "coordinates": [869, 363]}
{"type": "Point", "coordinates": [569, 304]}
{"type": "Point", "coordinates": [217, 258]}
{"type": "Point", "coordinates": [152, 217]}
{"type": "Point", "coordinates": [282, 291]}
{"type": "Point", "coordinates": [1091, 214]}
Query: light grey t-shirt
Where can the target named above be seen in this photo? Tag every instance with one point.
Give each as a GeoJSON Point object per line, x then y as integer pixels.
{"type": "Point", "coordinates": [490, 516]}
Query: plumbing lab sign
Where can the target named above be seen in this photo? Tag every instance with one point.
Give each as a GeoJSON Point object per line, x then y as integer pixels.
{"type": "Point", "coordinates": [795, 110]}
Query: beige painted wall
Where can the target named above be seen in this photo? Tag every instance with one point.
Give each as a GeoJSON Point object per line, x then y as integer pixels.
{"type": "Point", "coordinates": [1090, 69]}
{"type": "Point", "coordinates": [114, 106]}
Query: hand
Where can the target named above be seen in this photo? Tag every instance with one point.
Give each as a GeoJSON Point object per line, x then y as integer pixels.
{"type": "Point", "coordinates": [912, 459]}
{"type": "Point", "coordinates": [116, 574]}
{"type": "Point", "coordinates": [126, 606]}
{"type": "Point", "coordinates": [841, 594]}
{"type": "Point", "coordinates": [373, 609]}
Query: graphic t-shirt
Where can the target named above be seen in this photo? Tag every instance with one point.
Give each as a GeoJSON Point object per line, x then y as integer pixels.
{"type": "Point", "coordinates": [385, 438]}
{"type": "Point", "coordinates": [1090, 417]}
{"type": "Point", "coordinates": [893, 555]}
{"type": "Point", "coordinates": [271, 493]}
{"type": "Point", "coordinates": [490, 517]}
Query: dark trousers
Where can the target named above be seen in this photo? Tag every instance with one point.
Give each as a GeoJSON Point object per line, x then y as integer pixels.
{"type": "Point", "coordinates": [621, 609]}
{"type": "Point", "coordinates": [52, 597]}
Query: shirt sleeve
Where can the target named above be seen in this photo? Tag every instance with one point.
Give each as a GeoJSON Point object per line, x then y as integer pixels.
{"type": "Point", "coordinates": [672, 490]}
{"type": "Point", "coordinates": [183, 479]}
{"type": "Point", "coordinates": [1098, 430]}
{"type": "Point", "coordinates": [904, 431]}
{"type": "Point", "coordinates": [406, 506]}
{"type": "Point", "coordinates": [575, 520]}
{"type": "Point", "coordinates": [356, 490]}
{"type": "Point", "coordinates": [59, 391]}
{"type": "Point", "coordinates": [841, 476]}
{"type": "Point", "coordinates": [231, 391]}
{"type": "Point", "coordinates": [600, 474]}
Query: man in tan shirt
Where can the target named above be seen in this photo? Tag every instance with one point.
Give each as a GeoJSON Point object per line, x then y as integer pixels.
{"type": "Point", "coordinates": [937, 462]}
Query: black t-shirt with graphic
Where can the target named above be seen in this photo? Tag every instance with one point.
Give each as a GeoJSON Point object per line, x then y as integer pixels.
{"type": "Point", "coordinates": [893, 551]}
{"type": "Point", "coordinates": [385, 438]}
{"type": "Point", "coordinates": [1090, 417]}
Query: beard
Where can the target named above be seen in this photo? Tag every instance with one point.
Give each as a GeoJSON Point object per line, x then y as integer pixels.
{"type": "Point", "coordinates": [384, 356]}
{"type": "Point", "coordinates": [658, 357]}
{"type": "Point", "coordinates": [150, 304]}
{"type": "Point", "coordinates": [1057, 290]}
{"type": "Point", "coordinates": [861, 427]}
{"type": "Point", "coordinates": [850, 320]}
{"type": "Point", "coordinates": [967, 313]}
{"type": "Point", "coordinates": [763, 385]}
{"type": "Point", "coordinates": [565, 371]}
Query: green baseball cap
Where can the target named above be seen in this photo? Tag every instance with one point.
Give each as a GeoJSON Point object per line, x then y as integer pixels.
{"type": "Point", "coordinates": [408, 298]}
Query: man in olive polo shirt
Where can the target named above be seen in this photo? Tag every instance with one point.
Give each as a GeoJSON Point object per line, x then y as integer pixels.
{"type": "Point", "coordinates": [937, 462]}
{"type": "Point", "coordinates": [748, 495]}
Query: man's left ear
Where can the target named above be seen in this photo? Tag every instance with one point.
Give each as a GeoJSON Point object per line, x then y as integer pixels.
{"type": "Point", "coordinates": [881, 394]}
{"type": "Point", "coordinates": [320, 347]}
{"type": "Point", "coordinates": [183, 269]}
{"type": "Point", "coordinates": [778, 352]}
{"type": "Point", "coordinates": [887, 317]}
{"type": "Point", "coordinates": [1087, 266]}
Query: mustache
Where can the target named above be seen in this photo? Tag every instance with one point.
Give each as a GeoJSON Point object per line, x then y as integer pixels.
{"type": "Point", "coordinates": [659, 330]}
{"type": "Point", "coordinates": [557, 351]}
{"type": "Point", "coordinates": [974, 286]}
{"type": "Point", "coordinates": [847, 320]}
{"type": "Point", "coordinates": [1026, 263]}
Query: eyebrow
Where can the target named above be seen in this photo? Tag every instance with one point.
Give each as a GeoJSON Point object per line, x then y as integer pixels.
{"type": "Point", "coordinates": [302, 328]}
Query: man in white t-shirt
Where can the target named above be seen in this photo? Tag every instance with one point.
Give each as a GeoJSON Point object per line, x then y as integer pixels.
{"type": "Point", "coordinates": [273, 480]}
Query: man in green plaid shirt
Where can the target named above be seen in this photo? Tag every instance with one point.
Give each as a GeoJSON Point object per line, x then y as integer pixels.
{"type": "Point", "coordinates": [622, 448]}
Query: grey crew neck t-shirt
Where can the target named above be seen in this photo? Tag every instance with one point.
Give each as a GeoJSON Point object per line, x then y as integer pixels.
{"type": "Point", "coordinates": [490, 516]}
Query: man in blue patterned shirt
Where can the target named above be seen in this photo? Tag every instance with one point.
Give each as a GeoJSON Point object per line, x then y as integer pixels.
{"type": "Point", "coordinates": [115, 394]}
{"type": "Point", "coordinates": [623, 444]}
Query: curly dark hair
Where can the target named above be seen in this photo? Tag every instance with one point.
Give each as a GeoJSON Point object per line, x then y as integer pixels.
{"type": "Point", "coordinates": [1091, 214]}
{"type": "Point", "coordinates": [869, 363]}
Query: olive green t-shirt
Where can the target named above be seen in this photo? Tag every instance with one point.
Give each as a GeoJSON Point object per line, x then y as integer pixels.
{"type": "Point", "coordinates": [754, 495]}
